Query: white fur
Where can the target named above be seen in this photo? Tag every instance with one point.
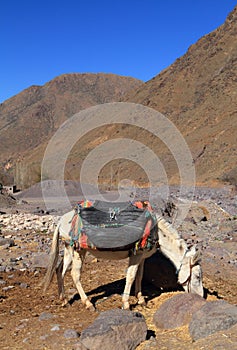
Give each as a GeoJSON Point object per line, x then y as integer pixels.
{"type": "Point", "coordinates": [172, 245]}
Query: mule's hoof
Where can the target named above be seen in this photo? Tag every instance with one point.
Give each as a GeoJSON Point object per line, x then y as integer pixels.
{"type": "Point", "coordinates": [91, 308]}
{"type": "Point", "coordinates": [89, 305]}
{"type": "Point", "coordinates": [126, 306]}
{"type": "Point", "coordinates": [141, 301]}
{"type": "Point", "coordinates": [65, 303]}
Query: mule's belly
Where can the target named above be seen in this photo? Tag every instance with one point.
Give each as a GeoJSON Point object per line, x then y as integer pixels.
{"type": "Point", "coordinates": [110, 255]}
{"type": "Point", "coordinates": [119, 255]}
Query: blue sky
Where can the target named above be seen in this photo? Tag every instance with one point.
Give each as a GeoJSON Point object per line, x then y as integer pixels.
{"type": "Point", "coordinates": [43, 39]}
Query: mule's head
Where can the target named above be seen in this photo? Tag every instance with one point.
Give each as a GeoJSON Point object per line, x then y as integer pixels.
{"type": "Point", "coordinates": [190, 273]}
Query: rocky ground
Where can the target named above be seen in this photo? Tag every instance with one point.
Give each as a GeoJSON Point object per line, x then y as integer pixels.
{"type": "Point", "coordinates": [31, 320]}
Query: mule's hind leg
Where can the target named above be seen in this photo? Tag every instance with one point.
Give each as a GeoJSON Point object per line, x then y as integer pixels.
{"type": "Point", "coordinates": [77, 263]}
{"type": "Point", "coordinates": [138, 284]}
{"type": "Point", "coordinates": [61, 270]}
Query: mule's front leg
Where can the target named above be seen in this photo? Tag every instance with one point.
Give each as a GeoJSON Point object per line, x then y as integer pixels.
{"type": "Point", "coordinates": [77, 262]}
{"type": "Point", "coordinates": [131, 274]}
{"type": "Point", "coordinates": [59, 270]}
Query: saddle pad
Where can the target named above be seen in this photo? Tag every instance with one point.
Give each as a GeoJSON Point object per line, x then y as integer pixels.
{"type": "Point", "coordinates": [113, 225]}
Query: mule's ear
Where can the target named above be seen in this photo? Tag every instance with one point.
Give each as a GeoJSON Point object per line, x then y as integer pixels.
{"type": "Point", "coordinates": [191, 252]}
{"type": "Point", "coordinates": [196, 258]}
{"type": "Point", "coordinates": [193, 249]}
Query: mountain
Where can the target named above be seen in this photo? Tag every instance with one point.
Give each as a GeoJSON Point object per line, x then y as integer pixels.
{"type": "Point", "coordinates": [29, 119]}
{"type": "Point", "coordinates": [198, 93]}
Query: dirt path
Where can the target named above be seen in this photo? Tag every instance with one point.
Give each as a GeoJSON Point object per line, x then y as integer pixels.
{"type": "Point", "coordinates": [22, 305]}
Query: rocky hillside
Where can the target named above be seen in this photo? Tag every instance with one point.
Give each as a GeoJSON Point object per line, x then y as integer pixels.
{"type": "Point", "coordinates": [30, 118]}
{"type": "Point", "coordinates": [198, 93]}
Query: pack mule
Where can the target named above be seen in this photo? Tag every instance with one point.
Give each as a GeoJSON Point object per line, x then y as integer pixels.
{"type": "Point", "coordinates": [171, 244]}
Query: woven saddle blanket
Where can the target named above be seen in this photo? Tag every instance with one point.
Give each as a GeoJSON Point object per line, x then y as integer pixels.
{"type": "Point", "coordinates": [112, 225]}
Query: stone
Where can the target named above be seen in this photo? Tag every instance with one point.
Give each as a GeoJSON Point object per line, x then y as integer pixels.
{"type": "Point", "coordinates": [70, 334]}
{"type": "Point", "coordinates": [115, 329]}
{"type": "Point", "coordinates": [177, 311]}
{"type": "Point", "coordinates": [56, 327]}
{"type": "Point", "coordinates": [40, 260]}
{"type": "Point", "coordinates": [222, 340]}
{"type": "Point", "coordinates": [6, 242]}
{"type": "Point", "coordinates": [6, 289]}
{"type": "Point", "coordinates": [21, 221]}
{"type": "Point", "coordinates": [45, 316]}
{"type": "Point", "coordinates": [212, 317]}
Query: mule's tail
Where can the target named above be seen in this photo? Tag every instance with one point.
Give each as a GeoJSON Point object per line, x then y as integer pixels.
{"type": "Point", "coordinates": [53, 259]}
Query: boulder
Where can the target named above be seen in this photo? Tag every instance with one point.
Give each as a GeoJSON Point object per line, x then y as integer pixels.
{"type": "Point", "coordinates": [224, 339]}
{"type": "Point", "coordinates": [115, 329]}
{"type": "Point", "coordinates": [178, 310]}
{"type": "Point", "coordinates": [212, 317]}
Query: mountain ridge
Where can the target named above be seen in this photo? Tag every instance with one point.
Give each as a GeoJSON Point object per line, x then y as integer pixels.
{"type": "Point", "coordinates": [198, 93]}
{"type": "Point", "coordinates": [29, 119]}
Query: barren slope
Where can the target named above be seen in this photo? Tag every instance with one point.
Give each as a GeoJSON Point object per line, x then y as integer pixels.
{"type": "Point", "coordinates": [29, 119]}
{"type": "Point", "coordinates": [199, 94]}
